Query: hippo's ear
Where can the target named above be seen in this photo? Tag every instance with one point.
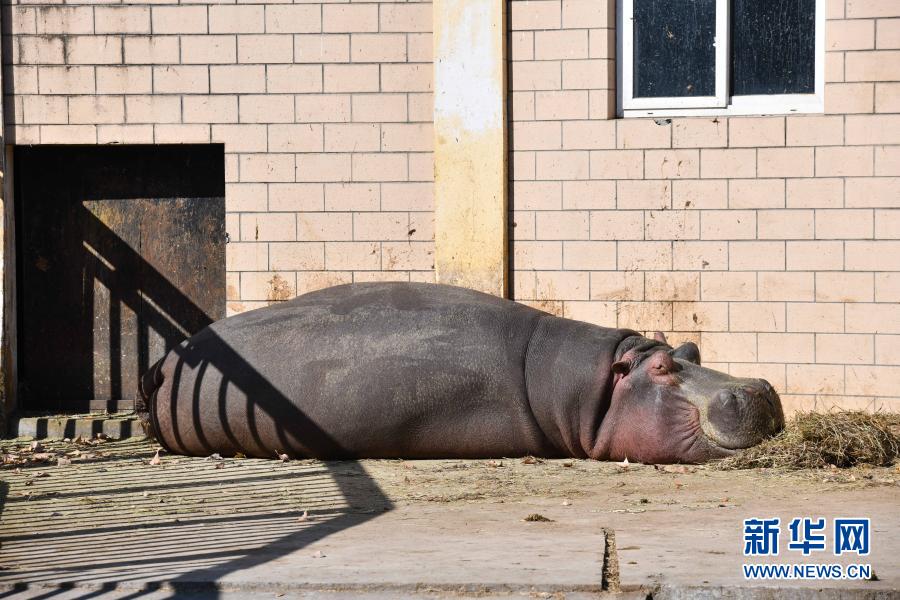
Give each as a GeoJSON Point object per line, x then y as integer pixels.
{"type": "Point", "coordinates": [621, 367]}
{"type": "Point", "coordinates": [688, 351]}
{"type": "Point", "coordinates": [659, 337]}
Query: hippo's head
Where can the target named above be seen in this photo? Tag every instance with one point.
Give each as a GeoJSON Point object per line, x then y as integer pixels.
{"type": "Point", "coordinates": [666, 408]}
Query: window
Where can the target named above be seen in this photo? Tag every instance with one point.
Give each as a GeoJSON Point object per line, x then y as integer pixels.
{"type": "Point", "coordinates": [709, 57]}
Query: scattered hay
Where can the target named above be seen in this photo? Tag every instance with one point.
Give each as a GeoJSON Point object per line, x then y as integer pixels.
{"type": "Point", "coordinates": [813, 440]}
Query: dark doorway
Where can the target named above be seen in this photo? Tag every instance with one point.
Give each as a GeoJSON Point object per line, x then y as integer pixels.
{"type": "Point", "coordinates": [121, 255]}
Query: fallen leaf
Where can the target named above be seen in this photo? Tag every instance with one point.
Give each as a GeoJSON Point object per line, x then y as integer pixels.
{"type": "Point", "coordinates": [37, 447]}
{"type": "Point", "coordinates": [537, 518]}
{"type": "Point", "coordinates": [63, 461]}
{"type": "Point", "coordinates": [495, 463]}
{"type": "Point", "coordinates": [304, 517]}
{"type": "Point", "coordinates": [566, 503]}
{"type": "Point", "coordinates": [240, 455]}
{"type": "Point", "coordinates": [282, 457]}
{"type": "Point", "coordinates": [318, 554]}
{"type": "Point", "coordinates": [156, 460]}
{"type": "Point", "coordinates": [532, 460]}
{"type": "Point", "coordinates": [220, 465]}
{"type": "Point", "coordinates": [42, 456]}
{"type": "Point", "coordinates": [214, 456]}
{"type": "Point", "coordinates": [568, 463]}
{"type": "Point", "coordinates": [41, 474]}
{"type": "Point", "coordinates": [680, 469]}
{"type": "Point", "coordinates": [624, 464]}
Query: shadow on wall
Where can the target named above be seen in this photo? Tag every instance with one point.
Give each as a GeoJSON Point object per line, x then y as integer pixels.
{"type": "Point", "coordinates": [116, 523]}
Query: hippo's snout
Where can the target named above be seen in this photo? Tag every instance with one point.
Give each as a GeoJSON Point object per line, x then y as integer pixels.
{"type": "Point", "coordinates": [743, 415]}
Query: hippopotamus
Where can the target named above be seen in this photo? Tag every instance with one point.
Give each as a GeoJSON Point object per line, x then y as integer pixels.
{"type": "Point", "coordinates": [418, 370]}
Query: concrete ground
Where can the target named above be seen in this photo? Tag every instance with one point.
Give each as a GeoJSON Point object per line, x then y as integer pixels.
{"type": "Point", "coordinates": [110, 523]}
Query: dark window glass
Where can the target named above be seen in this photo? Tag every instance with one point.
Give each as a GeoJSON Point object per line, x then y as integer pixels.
{"type": "Point", "coordinates": [674, 48]}
{"type": "Point", "coordinates": [773, 46]}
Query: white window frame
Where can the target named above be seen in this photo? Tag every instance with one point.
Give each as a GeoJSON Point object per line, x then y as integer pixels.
{"type": "Point", "coordinates": [721, 103]}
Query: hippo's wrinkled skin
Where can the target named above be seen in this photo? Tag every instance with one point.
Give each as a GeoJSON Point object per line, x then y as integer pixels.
{"type": "Point", "coordinates": [426, 371]}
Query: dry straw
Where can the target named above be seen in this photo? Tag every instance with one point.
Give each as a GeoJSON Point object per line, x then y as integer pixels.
{"type": "Point", "coordinates": [813, 440]}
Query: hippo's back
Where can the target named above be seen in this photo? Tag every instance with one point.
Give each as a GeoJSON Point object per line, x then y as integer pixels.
{"type": "Point", "coordinates": [376, 369]}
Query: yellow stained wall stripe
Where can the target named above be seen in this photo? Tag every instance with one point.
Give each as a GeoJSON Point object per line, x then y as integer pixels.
{"type": "Point", "coordinates": [470, 173]}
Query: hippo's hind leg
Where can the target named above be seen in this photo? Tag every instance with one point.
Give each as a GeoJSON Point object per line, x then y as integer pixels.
{"type": "Point", "coordinates": [148, 386]}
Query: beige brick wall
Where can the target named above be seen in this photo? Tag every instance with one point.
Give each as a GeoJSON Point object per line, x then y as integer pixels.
{"type": "Point", "coordinates": [324, 109]}
{"type": "Point", "coordinates": [770, 241]}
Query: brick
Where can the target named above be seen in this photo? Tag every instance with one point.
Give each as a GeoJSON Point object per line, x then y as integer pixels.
{"type": "Point", "coordinates": [244, 79]}
{"type": "Point", "coordinates": [787, 287]}
{"type": "Point", "coordinates": [878, 65]}
{"type": "Point", "coordinates": [598, 313]}
{"type": "Point", "coordinates": [877, 381]}
{"type": "Point", "coordinates": [407, 256]}
{"type": "Point", "coordinates": [643, 133]}
{"type": "Point", "coordinates": [406, 78]}
{"type": "Point", "coordinates": [208, 49]}
{"type": "Point", "coordinates": [844, 349]}
{"type": "Point", "coordinates": [379, 108]}
{"type": "Point", "coordinates": [728, 225]}
{"type": "Point", "coordinates": [97, 50]}
{"type": "Point", "coordinates": [581, 195]}
{"type": "Point", "coordinates": [857, 9]}
{"type": "Point", "coordinates": [567, 164]}
{"type": "Point", "coordinates": [887, 34]}
{"type": "Point", "coordinates": [342, 18]}
{"type": "Point", "coordinates": [538, 195]}
{"type": "Point", "coordinates": [241, 19]}
{"type": "Point", "coordinates": [756, 316]}
{"type": "Point", "coordinates": [671, 164]}
{"type": "Point", "coordinates": [267, 167]}
{"type": "Point", "coordinates": [45, 109]}
{"type": "Point", "coordinates": [246, 256]}
{"type": "Point", "coordinates": [377, 47]}
{"type": "Point", "coordinates": [318, 108]}
{"type": "Point", "coordinates": [855, 34]}
{"type": "Point", "coordinates": [181, 79]}
{"type": "Point", "coordinates": [151, 50]}
{"type": "Point", "coordinates": [671, 225]}
{"type": "Point", "coordinates": [881, 255]}
{"type": "Point", "coordinates": [602, 43]}
{"type": "Point", "coordinates": [521, 166]}
{"type": "Point", "coordinates": [559, 44]}
{"type": "Point", "coordinates": [617, 164]}
{"type": "Point", "coordinates": [842, 98]}
{"type": "Point", "coordinates": [645, 316]}
{"type": "Point", "coordinates": [351, 78]}
{"type": "Point", "coordinates": [179, 19]}
{"type": "Point", "coordinates": [296, 256]}
{"type": "Point", "coordinates": [844, 287]}
{"type": "Point", "coordinates": [268, 227]}
{"type": "Point", "coordinates": [405, 18]}
{"type": "Point", "coordinates": [294, 18]}
{"type": "Point", "coordinates": [322, 48]}
{"type": "Point", "coordinates": [521, 108]}
{"type": "Point", "coordinates": [873, 129]}
{"type": "Point", "coordinates": [756, 193]}
{"type": "Point", "coordinates": [834, 67]}
{"type": "Point", "coordinates": [815, 317]}
{"type": "Point", "coordinates": [363, 196]}
{"type": "Point", "coordinates": [786, 162]}
{"type": "Point", "coordinates": [296, 197]}
{"type": "Point", "coordinates": [815, 130]}
{"type": "Point", "coordinates": [700, 316]}
{"type": "Point", "coordinates": [887, 287]}
{"type": "Point", "coordinates": [96, 109]}
{"type": "Point", "coordinates": [617, 285]}
{"type": "Point", "coordinates": [562, 285]}
{"type": "Point", "coordinates": [843, 224]}
{"type": "Point", "coordinates": [39, 50]}
{"type": "Point", "coordinates": [592, 74]}
{"type": "Point", "coordinates": [267, 48]}
{"type": "Point", "coordinates": [727, 286]}
{"type": "Point", "coordinates": [562, 225]}
{"type": "Point", "coordinates": [815, 256]}
{"type": "Point", "coordinates": [266, 286]}
{"type": "Point", "coordinates": [561, 105]}
{"type": "Point", "coordinates": [700, 133]}
{"type": "Point", "coordinates": [887, 350]}
{"type": "Point", "coordinates": [815, 379]}
{"type": "Point", "coordinates": [844, 161]}
{"type": "Point", "coordinates": [537, 255]}
{"type": "Point", "coordinates": [245, 197]}
{"type": "Point", "coordinates": [586, 13]}
{"type": "Point", "coordinates": [420, 106]}
{"type": "Point", "coordinates": [650, 194]}
{"type": "Point", "coordinates": [872, 318]}
{"type": "Point", "coordinates": [21, 20]}
{"type": "Point", "coordinates": [787, 347]}
{"type": "Point", "coordinates": [295, 137]}
{"type": "Point", "coordinates": [670, 286]}
{"type": "Point", "coordinates": [587, 135]}
{"type": "Point", "coordinates": [538, 75]}
{"type": "Point", "coordinates": [381, 226]}
{"type": "Point", "coordinates": [617, 225]}
{"type": "Point", "coordinates": [699, 194]}
{"type": "Point", "coordinates": [316, 280]}
{"type": "Point", "coordinates": [751, 132]}
{"type": "Point", "coordinates": [887, 224]}
{"type": "Point", "coordinates": [874, 192]}
{"type": "Point", "coordinates": [537, 135]}
{"type": "Point", "coordinates": [407, 137]}
{"type": "Point", "coordinates": [324, 227]}
{"type": "Point", "coordinates": [124, 80]}
{"type": "Point", "coordinates": [379, 167]}
{"type": "Point", "coordinates": [887, 97]}
{"type": "Point", "coordinates": [267, 108]}
{"type": "Point", "coordinates": [352, 137]}
{"type": "Point", "coordinates": [755, 256]}
{"type": "Point", "coordinates": [785, 224]}
{"type": "Point", "coordinates": [22, 79]}
{"type": "Point", "coordinates": [323, 167]}
{"type": "Point", "coordinates": [815, 193]}
{"type": "Point", "coordinates": [602, 104]}
{"type": "Point", "coordinates": [419, 48]}
{"type": "Point", "coordinates": [152, 109]}
{"type": "Point", "coordinates": [538, 14]}
{"type": "Point", "coordinates": [66, 80]}
{"type": "Point", "coordinates": [68, 20]}
{"type": "Point", "coordinates": [729, 347]}
{"type": "Point", "coordinates": [697, 256]}
{"type": "Point", "coordinates": [125, 134]}
{"type": "Point", "coordinates": [352, 255]}
{"type": "Point", "coordinates": [597, 256]}
{"type": "Point", "coordinates": [718, 164]}
{"type": "Point", "coordinates": [645, 256]}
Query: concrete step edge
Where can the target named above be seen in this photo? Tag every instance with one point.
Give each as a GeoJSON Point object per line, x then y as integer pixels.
{"type": "Point", "coordinates": [61, 427]}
